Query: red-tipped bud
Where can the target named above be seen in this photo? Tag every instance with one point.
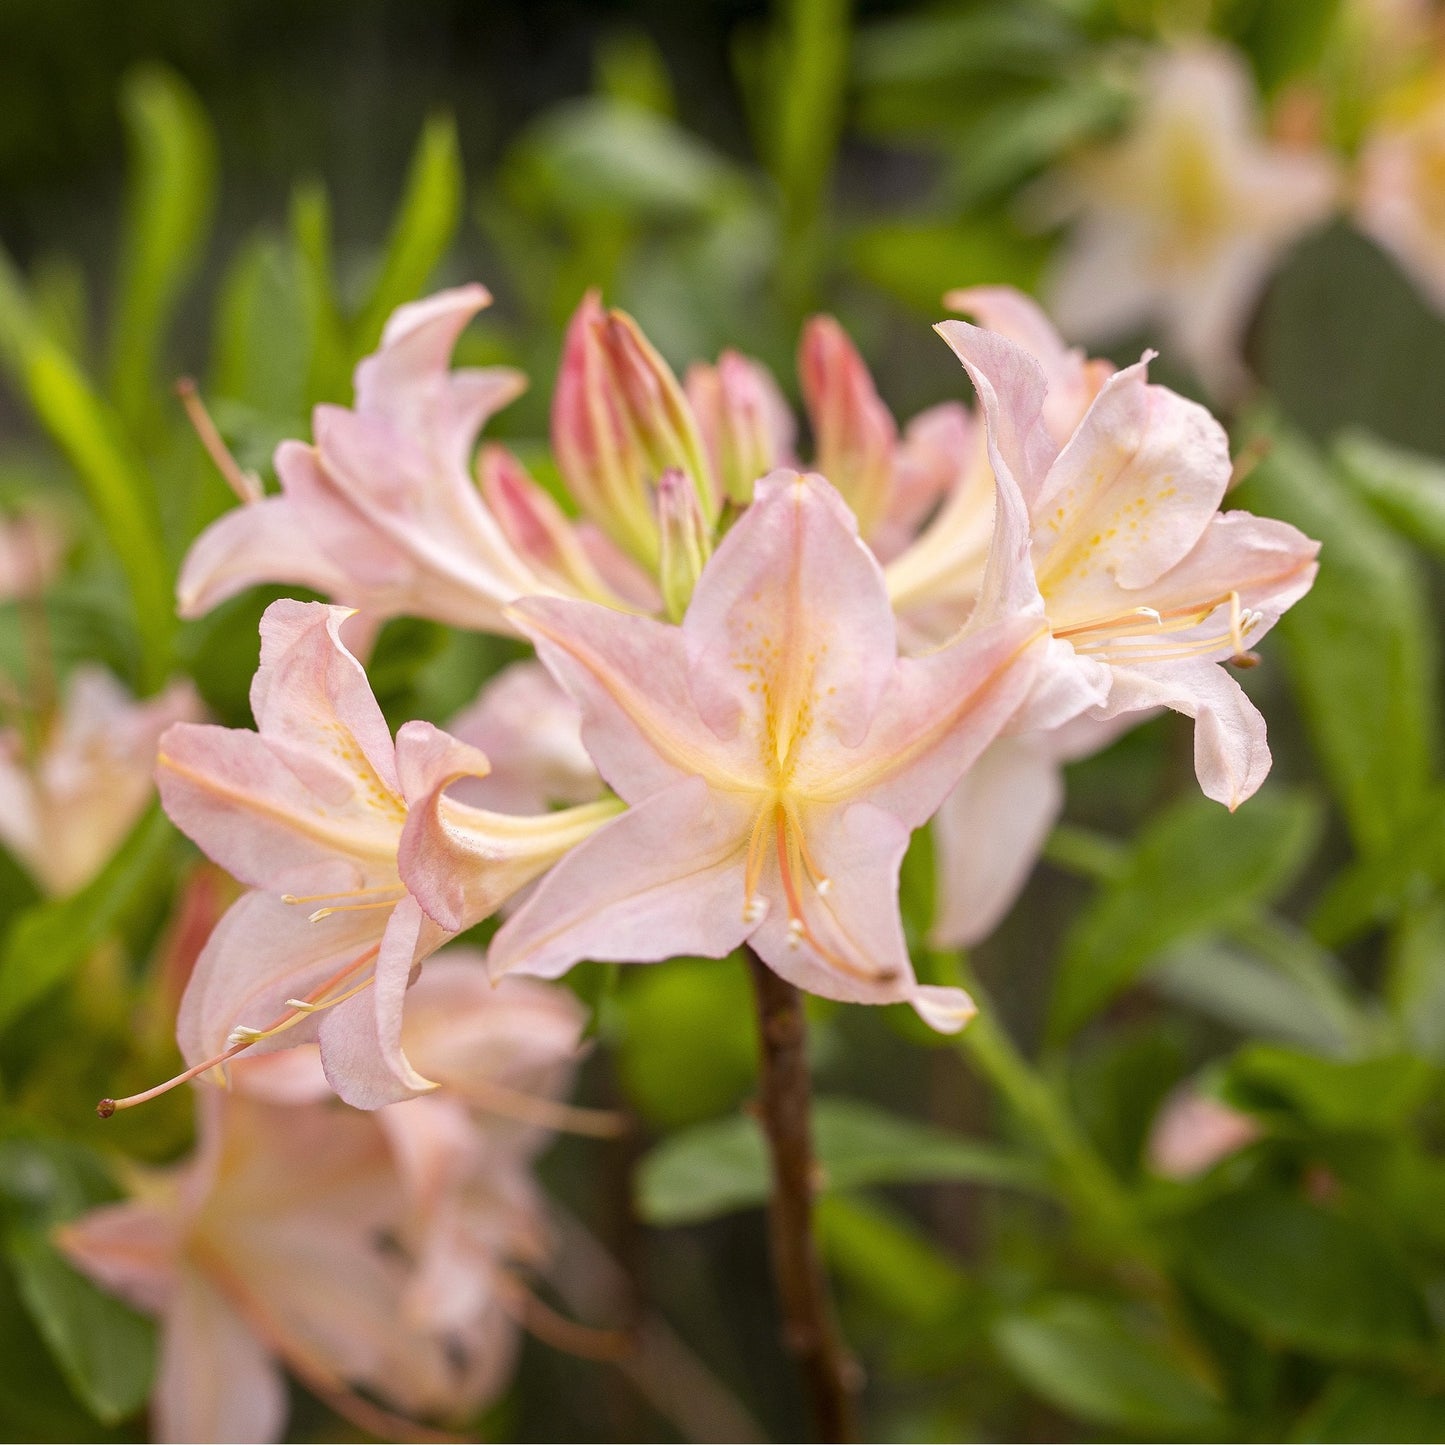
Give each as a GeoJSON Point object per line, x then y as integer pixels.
{"type": "Point", "coordinates": [744, 420]}
{"type": "Point", "coordinates": [620, 420]}
{"type": "Point", "coordinates": [686, 541]}
{"type": "Point", "coordinates": [854, 434]}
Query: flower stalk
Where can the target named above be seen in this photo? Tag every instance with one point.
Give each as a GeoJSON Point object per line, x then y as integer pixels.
{"type": "Point", "coordinates": [784, 1109]}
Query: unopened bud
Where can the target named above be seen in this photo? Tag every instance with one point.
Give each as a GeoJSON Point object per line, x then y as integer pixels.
{"type": "Point", "coordinates": [619, 421]}
{"type": "Point", "coordinates": [854, 434]}
{"type": "Point", "coordinates": [744, 420]}
{"type": "Point", "coordinates": [686, 541]}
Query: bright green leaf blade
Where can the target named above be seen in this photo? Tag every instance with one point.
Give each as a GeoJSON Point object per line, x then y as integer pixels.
{"type": "Point", "coordinates": [1361, 649]}
{"type": "Point", "coordinates": [1191, 870]}
{"type": "Point", "coordinates": [330, 377]}
{"type": "Point", "coordinates": [169, 198]}
{"type": "Point", "coordinates": [425, 224]}
{"type": "Point", "coordinates": [105, 1350]}
{"type": "Point", "coordinates": [1405, 488]}
{"type": "Point", "coordinates": [35, 1401]}
{"type": "Point", "coordinates": [114, 477]}
{"type": "Point", "coordinates": [262, 351]}
{"type": "Point", "coordinates": [1088, 1359]}
{"type": "Point", "coordinates": [49, 941]}
{"type": "Point", "coordinates": [722, 1166]}
{"type": "Point", "coordinates": [1304, 1277]}
{"type": "Point", "coordinates": [1355, 1407]}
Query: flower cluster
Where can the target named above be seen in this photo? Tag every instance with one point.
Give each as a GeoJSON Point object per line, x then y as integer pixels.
{"type": "Point", "coordinates": [754, 682]}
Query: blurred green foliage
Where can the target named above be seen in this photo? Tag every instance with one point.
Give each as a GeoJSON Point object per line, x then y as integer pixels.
{"type": "Point", "coordinates": [1010, 1263]}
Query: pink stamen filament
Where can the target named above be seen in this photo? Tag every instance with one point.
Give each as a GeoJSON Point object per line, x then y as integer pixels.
{"type": "Point", "coordinates": [296, 1010]}
{"type": "Point", "coordinates": [246, 485]}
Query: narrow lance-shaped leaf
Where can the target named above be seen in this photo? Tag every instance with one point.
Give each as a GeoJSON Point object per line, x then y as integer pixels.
{"type": "Point", "coordinates": [169, 200]}
{"type": "Point", "coordinates": [90, 433]}
{"type": "Point", "coordinates": [425, 223]}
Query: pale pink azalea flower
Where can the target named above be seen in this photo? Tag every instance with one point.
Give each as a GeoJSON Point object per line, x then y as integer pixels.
{"type": "Point", "coordinates": [287, 1242]}
{"type": "Point", "coordinates": [1193, 1132]}
{"type": "Point", "coordinates": [1117, 541]}
{"type": "Point", "coordinates": [776, 753]}
{"type": "Point", "coordinates": [66, 806]}
{"type": "Point", "coordinates": [1400, 192]}
{"type": "Point", "coordinates": [383, 513]}
{"type": "Point", "coordinates": [313, 812]}
{"type": "Point", "coordinates": [1178, 224]}
{"type": "Point", "coordinates": [746, 424]}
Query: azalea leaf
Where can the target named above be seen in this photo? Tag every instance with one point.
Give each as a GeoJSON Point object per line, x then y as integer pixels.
{"type": "Point", "coordinates": [169, 198]}
{"type": "Point", "coordinates": [1365, 633]}
{"type": "Point", "coordinates": [49, 941]}
{"type": "Point", "coordinates": [1363, 1407]}
{"type": "Point", "coordinates": [1304, 1277]}
{"type": "Point", "coordinates": [106, 1351]}
{"type": "Point", "coordinates": [1406, 489]}
{"type": "Point", "coordinates": [425, 224]}
{"type": "Point", "coordinates": [1191, 870]}
{"type": "Point", "coordinates": [1377, 1095]}
{"type": "Point", "coordinates": [1089, 1358]}
{"type": "Point", "coordinates": [720, 1167]}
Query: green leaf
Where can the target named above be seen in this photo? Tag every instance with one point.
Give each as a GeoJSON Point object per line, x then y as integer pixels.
{"type": "Point", "coordinates": [169, 197]}
{"type": "Point", "coordinates": [48, 942]}
{"type": "Point", "coordinates": [1405, 488]}
{"type": "Point", "coordinates": [1416, 979]}
{"type": "Point", "coordinates": [1362, 1407]}
{"type": "Point", "coordinates": [262, 355]}
{"type": "Point", "coordinates": [1303, 1277]}
{"type": "Point", "coordinates": [1376, 1095]}
{"type": "Point", "coordinates": [35, 1401]}
{"type": "Point", "coordinates": [1193, 869]}
{"type": "Point", "coordinates": [880, 1253]}
{"type": "Point", "coordinates": [425, 224]}
{"type": "Point", "coordinates": [105, 1350]}
{"type": "Point", "coordinates": [720, 1167]}
{"type": "Point", "coordinates": [1360, 649]}
{"type": "Point", "coordinates": [1236, 987]}
{"type": "Point", "coordinates": [1090, 1359]}
{"type": "Point", "coordinates": [331, 349]}
{"type": "Point", "coordinates": [114, 477]}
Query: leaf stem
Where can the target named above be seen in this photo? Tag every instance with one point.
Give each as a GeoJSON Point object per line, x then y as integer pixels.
{"type": "Point", "coordinates": [784, 1110]}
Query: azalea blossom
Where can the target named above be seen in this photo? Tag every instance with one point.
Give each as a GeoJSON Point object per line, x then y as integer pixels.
{"type": "Point", "coordinates": [382, 512]}
{"type": "Point", "coordinates": [68, 801]}
{"type": "Point", "coordinates": [295, 1238]}
{"type": "Point", "coordinates": [1178, 224]}
{"type": "Point", "coordinates": [313, 812]}
{"type": "Point", "coordinates": [1116, 539]}
{"type": "Point", "coordinates": [776, 753]}
{"type": "Point", "coordinates": [1400, 194]}
{"type": "Point", "coordinates": [32, 548]}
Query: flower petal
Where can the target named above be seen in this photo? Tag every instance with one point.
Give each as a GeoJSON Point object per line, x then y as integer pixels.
{"type": "Point", "coordinates": [1231, 752]}
{"type": "Point", "coordinates": [129, 1249]}
{"type": "Point", "coordinates": [790, 632]}
{"type": "Point", "coordinates": [663, 880]}
{"type": "Point", "coordinates": [1129, 496]}
{"type": "Point", "coordinates": [361, 1047]}
{"type": "Point", "coordinates": [463, 863]}
{"type": "Point", "coordinates": [988, 835]}
{"type": "Point", "coordinates": [215, 1380]}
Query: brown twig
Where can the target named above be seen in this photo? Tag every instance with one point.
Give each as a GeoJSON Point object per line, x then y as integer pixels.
{"type": "Point", "coordinates": [810, 1330]}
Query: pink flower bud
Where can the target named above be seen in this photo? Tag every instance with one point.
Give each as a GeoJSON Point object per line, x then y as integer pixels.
{"type": "Point", "coordinates": [686, 541]}
{"type": "Point", "coordinates": [745, 422]}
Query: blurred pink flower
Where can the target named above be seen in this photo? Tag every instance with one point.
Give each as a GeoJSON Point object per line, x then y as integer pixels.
{"type": "Point", "coordinates": [382, 512]}
{"type": "Point", "coordinates": [1179, 223]}
{"type": "Point", "coordinates": [66, 805]}
{"type": "Point", "coordinates": [296, 1237]}
{"type": "Point", "coordinates": [1193, 1132]}
{"type": "Point", "coordinates": [776, 752]}
{"type": "Point", "coordinates": [315, 808]}
{"type": "Point", "coordinates": [1400, 194]}
{"type": "Point", "coordinates": [32, 548]}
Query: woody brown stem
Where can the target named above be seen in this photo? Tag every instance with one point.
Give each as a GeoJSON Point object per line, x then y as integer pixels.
{"type": "Point", "coordinates": [810, 1330]}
